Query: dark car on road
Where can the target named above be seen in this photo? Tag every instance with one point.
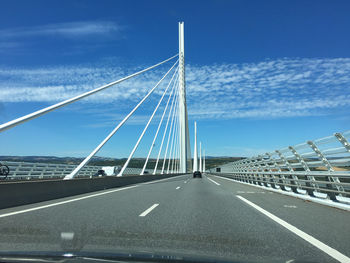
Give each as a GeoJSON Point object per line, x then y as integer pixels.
{"type": "Point", "coordinates": [197, 174]}
{"type": "Point", "coordinates": [99, 173]}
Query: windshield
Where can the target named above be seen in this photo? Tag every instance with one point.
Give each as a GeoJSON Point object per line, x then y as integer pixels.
{"type": "Point", "coordinates": [206, 131]}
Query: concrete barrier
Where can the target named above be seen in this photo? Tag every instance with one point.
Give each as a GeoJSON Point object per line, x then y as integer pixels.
{"type": "Point", "coordinates": [28, 192]}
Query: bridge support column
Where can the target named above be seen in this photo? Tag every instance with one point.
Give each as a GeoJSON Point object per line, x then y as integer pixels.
{"type": "Point", "coordinates": [195, 155]}
{"type": "Point", "coordinates": [185, 150]}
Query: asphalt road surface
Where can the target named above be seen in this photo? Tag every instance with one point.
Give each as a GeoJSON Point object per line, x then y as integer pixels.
{"type": "Point", "coordinates": [208, 217]}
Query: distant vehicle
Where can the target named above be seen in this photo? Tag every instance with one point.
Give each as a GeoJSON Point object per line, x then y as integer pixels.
{"type": "Point", "coordinates": [99, 173]}
{"type": "Point", "coordinates": [111, 170]}
{"type": "Point", "coordinates": [4, 171]}
{"type": "Point", "coordinates": [197, 174]}
{"type": "Point", "coordinates": [145, 172]}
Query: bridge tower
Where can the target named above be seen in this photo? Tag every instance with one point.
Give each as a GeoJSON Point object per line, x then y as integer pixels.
{"type": "Point", "coordinates": [195, 155]}
{"type": "Point", "coordinates": [185, 150]}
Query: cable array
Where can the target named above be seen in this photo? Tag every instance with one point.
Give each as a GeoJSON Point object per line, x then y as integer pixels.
{"type": "Point", "coordinates": [173, 140]}
{"type": "Point", "coordinates": [15, 122]}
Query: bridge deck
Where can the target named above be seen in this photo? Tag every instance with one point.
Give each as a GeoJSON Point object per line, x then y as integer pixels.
{"type": "Point", "coordinates": [202, 217]}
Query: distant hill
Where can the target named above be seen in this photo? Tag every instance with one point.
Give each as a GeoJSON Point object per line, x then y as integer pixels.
{"type": "Point", "coordinates": [210, 161]}
{"type": "Point", "coordinates": [63, 160]}
{"type": "Point", "coordinates": [50, 159]}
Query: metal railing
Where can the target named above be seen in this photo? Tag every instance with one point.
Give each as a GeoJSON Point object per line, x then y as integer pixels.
{"type": "Point", "coordinates": [319, 168]}
{"type": "Point", "coordinates": [29, 171]}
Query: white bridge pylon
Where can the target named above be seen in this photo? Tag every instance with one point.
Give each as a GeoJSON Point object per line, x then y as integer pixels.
{"type": "Point", "coordinates": [201, 167]}
{"type": "Point", "coordinates": [185, 148]}
{"type": "Point", "coordinates": [195, 154]}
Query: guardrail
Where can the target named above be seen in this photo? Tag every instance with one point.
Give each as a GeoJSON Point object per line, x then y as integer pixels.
{"type": "Point", "coordinates": [29, 170]}
{"type": "Point", "coordinates": [319, 168]}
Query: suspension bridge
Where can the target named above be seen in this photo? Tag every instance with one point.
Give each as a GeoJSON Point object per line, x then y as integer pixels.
{"type": "Point", "coordinates": [289, 205]}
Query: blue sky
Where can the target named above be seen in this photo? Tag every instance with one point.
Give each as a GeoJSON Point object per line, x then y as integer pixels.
{"type": "Point", "coordinates": [261, 75]}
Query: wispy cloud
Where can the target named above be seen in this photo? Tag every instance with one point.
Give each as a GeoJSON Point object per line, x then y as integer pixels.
{"type": "Point", "coordinates": [71, 30]}
{"type": "Point", "coordinates": [269, 89]}
{"type": "Point", "coordinates": [86, 34]}
{"type": "Point", "coordinates": [275, 88]}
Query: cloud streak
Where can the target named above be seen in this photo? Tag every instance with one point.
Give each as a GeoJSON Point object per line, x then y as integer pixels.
{"type": "Point", "coordinates": [268, 89]}
{"type": "Point", "coordinates": [70, 30]}
{"type": "Point", "coordinates": [21, 39]}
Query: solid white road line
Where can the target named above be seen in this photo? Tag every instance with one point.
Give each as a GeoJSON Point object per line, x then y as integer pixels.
{"type": "Point", "coordinates": [67, 201]}
{"type": "Point", "coordinates": [213, 181]}
{"type": "Point", "coordinates": [328, 203]}
{"type": "Point", "coordinates": [228, 179]}
{"type": "Point", "coordinates": [160, 180]}
{"type": "Point", "coordinates": [147, 211]}
{"type": "Point", "coordinates": [178, 187]}
{"type": "Point", "coordinates": [313, 241]}
{"type": "Point", "coordinates": [81, 198]}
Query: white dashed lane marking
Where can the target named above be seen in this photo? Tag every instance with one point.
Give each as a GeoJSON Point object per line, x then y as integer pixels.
{"type": "Point", "coordinates": [213, 181]}
{"type": "Point", "coordinates": [147, 211]}
{"type": "Point", "coordinates": [249, 192]}
{"type": "Point", "coordinates": [290, 206]}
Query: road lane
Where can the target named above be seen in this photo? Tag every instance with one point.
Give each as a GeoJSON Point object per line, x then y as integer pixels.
{"type": "Point", "coordinates": [111, 217]}
{"type": "Point", "coordinates": [200, 218]}
{"type": "Point", "coordinates": [55, 203]}
{"type": "Point", "coordinates": [327, 224]}
{"type": "Point", "coordinates": [215, 222]}
{"type": "Point", "coordinates": [313, 241]}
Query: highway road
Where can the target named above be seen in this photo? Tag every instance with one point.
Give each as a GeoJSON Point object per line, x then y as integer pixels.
{"type": "Point", "coordinates": [210, 217]}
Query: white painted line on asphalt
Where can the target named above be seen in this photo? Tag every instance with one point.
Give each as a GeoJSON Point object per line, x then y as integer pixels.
{"type": "Point", "coordinates": [328, 203]}
{"type": "Point", "coordinates": [250, 192]}
{"type": "Point", "coordinates": [290, 206]}
{"type": "Point", "coordinates": [147, 211]}
{"type": "Point", "coordinates": [81, 198]}
{"type": "Point", "coordinates": [240, 192]}
{"type": "Point", "coordinates": [65, 202]}
{"type": "Point", "coordinates": [67, 235]}
{"type": "Point", "coordinates": [313, 241]}
{"type": "Point", "coordinates": [213, 181]}
{"type": "Point", "coordinates": [160, 180]}
{"type": "Point", "coordinates": [178, 187]}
